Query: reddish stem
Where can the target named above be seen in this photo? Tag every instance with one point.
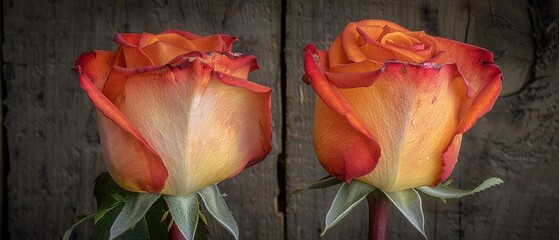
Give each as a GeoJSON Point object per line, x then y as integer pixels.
{"type": "Point", "coordinates": [379, 205]}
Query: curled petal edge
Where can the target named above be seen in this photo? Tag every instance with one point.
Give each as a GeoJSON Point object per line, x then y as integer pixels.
{"type": "Point", "coordinates": [91, 86]}
{"type": "Point", "coordinates": [335, 100]}
{"type": "Point", "coordinates": [266, 147]}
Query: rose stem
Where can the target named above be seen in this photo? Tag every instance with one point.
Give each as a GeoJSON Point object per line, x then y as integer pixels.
{"type": "Point", "coordinates": [378, 214]}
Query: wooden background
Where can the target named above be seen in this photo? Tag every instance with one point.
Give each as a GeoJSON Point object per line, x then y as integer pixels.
{"type": "Point", "coordinates": [51, 152]}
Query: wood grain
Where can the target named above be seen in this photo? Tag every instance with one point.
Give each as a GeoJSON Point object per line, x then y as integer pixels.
{"type": "Point", "coordinates": [54, 150]}
{"type": "Point", "coordinates": [517, 141]}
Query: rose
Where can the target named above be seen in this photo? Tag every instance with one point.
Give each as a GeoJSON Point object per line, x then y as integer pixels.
{"type": "Point", "coordinates": [174, 116]}
{"type": "Point", "coordinates": [393, 104]}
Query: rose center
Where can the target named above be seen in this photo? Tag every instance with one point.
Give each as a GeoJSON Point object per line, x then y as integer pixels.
{"type": "Point", "coordinates": [398, 38]}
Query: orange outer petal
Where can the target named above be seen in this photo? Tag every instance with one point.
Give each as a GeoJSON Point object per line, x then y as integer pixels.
{"type": "Point", "coordinates": [450, 157]}
{"type": "Point", "coordinates": [259, 143]}
{"type": "Point", "coordinates": [134, 55]}
{"type": "Point", "coordinates": [144, 173]}
{"type": "Point", "coordinates": [219, 42]}
{"type": "Point", "coordinates": [236, 65]}
{"type": "Point", "coordinates": [224, 42]}
{"type": "Point", "coordinates": [350, 163]}
{"type": "Point", "coordinates": [484, 80]}
{"type": "Point", "coordinates": [482, 75]}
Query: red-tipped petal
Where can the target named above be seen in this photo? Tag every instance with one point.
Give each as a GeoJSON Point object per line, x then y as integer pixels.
{"type": "Point", "coordinates": [450, 157]}
{"type": "Point", "coordinates": [343, 151]}
{"type": "Point", "coordinates": [188, 98]}
{"type": "Point", "coordinates": [329, 93]}
{"type": "Point", "coordinates": [234, 64]}
{"type": "Point", "coordinates": [186, 35]}
{"type": "Point", "coordinates": [256, 110]}
{"type": "Point", "coordinates": [342, 165]}
{"type": "Point", "coordinates": [127, 39]}
{"type": "Point", "coordinates": [352, 79]}
{"type": "Point", "coordinates": [149, 173]}
{"type": "Point", "coordinates": [220, 42]}
{"type": "Point", "coordinates": [162, 52]}
{"type": "Point", "coordinates": [483, 76]}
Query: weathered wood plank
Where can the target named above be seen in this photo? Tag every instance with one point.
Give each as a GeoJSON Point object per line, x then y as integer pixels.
{"type": "Point", "coordinates": [518, 139]}
{"type": "Point", "coordinates": [3, 159]}
{"type": "Point", "coordinates": [54, 150]}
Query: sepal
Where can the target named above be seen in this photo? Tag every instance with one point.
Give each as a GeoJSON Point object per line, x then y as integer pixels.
{"type": "Point", "coordinates": [443, 191]}
{"type": "Point", "coordinates": [348, 197]}
{"type": "Point", "coordinates": [216, 206]}
{"type": "Point", "coordinates": [409, 203]}
{"type": "Point", "coordinates": [133, 211]}
{"type": "Point", "coordinates": [185, 211]}
{"type": "Point", "coordinates": [324, 182]}
{"type": "Point", "coordinates": [111, 200]}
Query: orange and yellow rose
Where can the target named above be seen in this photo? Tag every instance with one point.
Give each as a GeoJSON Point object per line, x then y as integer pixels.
{"type": "Point", "coordinates": [176, 111]}
{"type": "Point", "coordinates": [393, 104]}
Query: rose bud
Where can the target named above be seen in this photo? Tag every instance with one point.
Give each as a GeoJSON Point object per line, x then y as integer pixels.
{"type": "Point", "coordinates": [175, 116]}
{"type": "Point", "coordinates": [393, 104]}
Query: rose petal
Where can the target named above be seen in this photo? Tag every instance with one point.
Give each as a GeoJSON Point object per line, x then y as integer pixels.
{"type": "Point", "coordinates": [219, 42]}
{"type": "Point", "coordinates": [365, 66]}
{"type": "Point", "coordinates": [134, 56]}
{"type": "Point", "coordinates": [342, 166]}
{"type": "Point", "coordinates": [350, 35]}
{"type": "Point", "coordinates": [127, 39]}
{"type": "Point", "coordinates": [349, 43]}
{"type": "Point", "coordinates": [450, 157]}
{"type": "Point", "coordinates": [336, 54]}
{"type": "Point", "coordinates": [343, 151]}
{"type": "Point", "coordinates": [162, 52]}
{"type": "Point", "coordinates": [184, 34]}
{"type": "Point", "coordinates": [483, 76]}
{"type": "Point", "coordinates": [414, 111]}
{"type": "Point", "coordinates": [174, 39]}
{"type": "Point", "coordinates": [352, 79]}
{"type": "Point", "coordinates": [257, 140]}
{"type": "Point", "coordinates": [235, 65]}
{"type": "Point", "coordinates": [131, 164]}
{"type": "Point", "coordinates": [148, 172]}
{"type": "Point", "coordinates": [172, 105]}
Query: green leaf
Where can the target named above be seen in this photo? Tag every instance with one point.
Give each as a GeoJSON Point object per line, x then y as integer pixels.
{"type": "Point", "coordinates": [148, 228]}
{"type": "Point", "coordinates": [110, 201]}
{"type": "Point", "coordinates": [101, 230]}
{"type": "Point", "coordinates": [117, 197]}
{"type": "Point", "coordinates": [409, 203]}
{"type": "Point", "coordinates": [214, 202]}
{"type": "Point", "coordinates": [107, 191]}
{"type": "Point", "coordinates": [101, 212]}
{"type": "Point", "coordinates": [133, 211]}
{"type": "Point", "coordinates": [348, 196]}
{"type": "Point", "coordinates": [324, 182]}
{"type": "Point", "coordinates": [443, 191]}
{"type": "Point", "coordinates": [185, 212]}
{"type": "Point", "coordinates": [82, 219]}
{"type": "Point", "coordinates": [156, 227]}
